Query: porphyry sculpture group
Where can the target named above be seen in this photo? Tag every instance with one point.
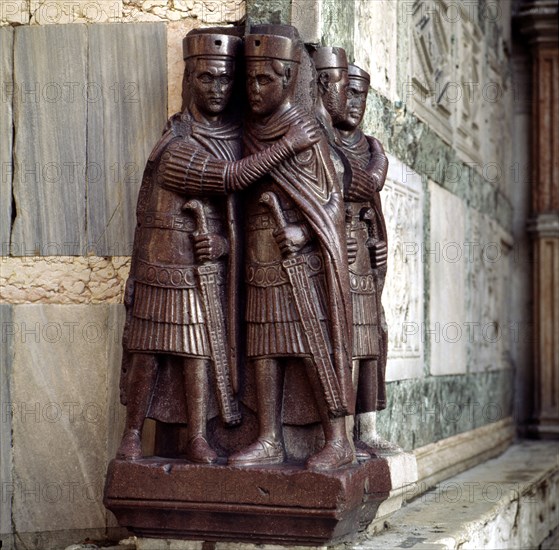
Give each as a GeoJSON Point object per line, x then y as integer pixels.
{"type": "Point", "coordinates": [254, 301]}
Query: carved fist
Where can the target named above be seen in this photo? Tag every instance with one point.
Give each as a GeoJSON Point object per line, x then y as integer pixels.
{"type": "Point", "coordinates": [291, 238]}
{"type": "Point", "coordinates": [379, 252]}
{"type": "Point", "coordinates": [301, 137]}
{"type": "Point", "coordinates": [209, 247]}
{"type": "Point", "coordinates": [351, 250]}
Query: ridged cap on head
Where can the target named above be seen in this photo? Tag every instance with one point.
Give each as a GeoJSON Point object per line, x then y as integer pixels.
{"type": "Point", "coordinates": [271, 46]}
{"type": "Point", "coordinates": [354, 71]}
{"type": "Point", "coordinates": [329, 57]}
{"type": "Point", "coordinates": [210, 45]}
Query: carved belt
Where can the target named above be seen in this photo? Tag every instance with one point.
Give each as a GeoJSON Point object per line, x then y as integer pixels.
{"type": "Point", "coordinates": [274, 274]}
{"type": "Point", "coordinates": [266, 220]}
{"type": "Point", "coordinates": [160, 220]}
{"type": "Point", "coordinates": [165, 276]}
{"type": "Point", "coordinates": [361, 283]}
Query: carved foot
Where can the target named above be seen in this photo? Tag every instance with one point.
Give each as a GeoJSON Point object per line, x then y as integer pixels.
{"type": "Point", "coordinates": [198, 450]}
{"type": "Point", "coordinates": [262, 451]}
{"type": "Point", "coordinates": [130, 446]}
{"type": "Point", "coordinates": [377, 443]}
{"type": "Point", "coordinates": [333, 455]}
{"type": "Point", "coordinates": [364, 451]}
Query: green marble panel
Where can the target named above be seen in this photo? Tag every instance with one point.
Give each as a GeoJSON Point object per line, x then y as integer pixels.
{"type": "Point", "coordinates": [423, 411]}
{"type": "Point", "coordinates": [275, 12]}
{"type": "Point", "coordinates": [338, 23]}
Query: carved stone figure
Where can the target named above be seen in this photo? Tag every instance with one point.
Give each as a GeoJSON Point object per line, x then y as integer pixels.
{"type": "Point", "coordinates": [367, 246]}
{"type": "Point", "coordinates": [332, 82]}
{"type": "Point", "coordinates": [182, 294]}
{"type": "Point", "coordinates": [296, 266]}
{"type": "Point", "coordinates": [239, 302]}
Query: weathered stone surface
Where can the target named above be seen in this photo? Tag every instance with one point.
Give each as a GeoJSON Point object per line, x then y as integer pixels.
{"type": "Point", "coordinates": [305, 15]}
{"type": "Point", "coordinates": [422, 411]}
{"type": "Point", "coordinates": [50, 107]}
{"type": "Point", "coordinates": [402, 199]}
{"type": "Point", "coordinates": [490, 328]}
{"type": "Point", "coordinates": [509, 502]}
{"type": "Point", "coordinates": [63, 279]}
{"type": "Point", "coordinates": [116, 413]}
{"type": "Point", "coordinates": [338, 22]}
{"type": "Point", "coordinates": [6, 350]}
{"type": "Point", "coordinates": [176, 31]}
{"type": "Point", "coordinates": [6, 131]}
{"type": "Point", "coordinates": [375, 48]}
{"type": "Point", "coordinates": [59, 396]}
{"type": "Point", "coordinates": [48, 12]}
{"type": "Point", "coordinates": [446, 331]}
{"type": "Point", "coordinates": [124, 123]}
{"type": "Point", "coordinates": [276, 12]}
{"type": "Point", "coordinates": [206, 11]}
{"type": "Point", "coordinates": [455, 454]}
{"type": "Point", "coordinates": [14, 12]}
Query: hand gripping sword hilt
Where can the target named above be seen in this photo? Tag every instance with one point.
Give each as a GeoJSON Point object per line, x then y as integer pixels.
{"type": "Point", "coordinates": [201, 219]}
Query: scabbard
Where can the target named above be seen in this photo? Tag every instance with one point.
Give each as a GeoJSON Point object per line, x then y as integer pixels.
{"type": "Point", "coordinates": [297, 274]}
{"type": "Point", "coordinates": [208, 279]}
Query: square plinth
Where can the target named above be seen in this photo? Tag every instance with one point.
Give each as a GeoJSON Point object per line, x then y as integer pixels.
{"type": "Point", "coordinates": [286, 504]}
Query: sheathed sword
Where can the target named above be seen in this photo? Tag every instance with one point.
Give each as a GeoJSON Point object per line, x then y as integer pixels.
{"type": "Point", "coordinates": [296, 268]}
{"type": "Point", "coordinates": [208, 275]}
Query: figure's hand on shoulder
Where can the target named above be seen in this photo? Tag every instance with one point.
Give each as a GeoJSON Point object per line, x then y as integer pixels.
{"type": "Point", "coordinates": [291, 238]}
{"type": "Point", "coordinates": [302, 136]}
{"type": "Point", "coordinates": [209, 247]}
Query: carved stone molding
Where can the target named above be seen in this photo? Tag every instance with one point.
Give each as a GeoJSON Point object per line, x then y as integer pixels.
{"type": "Point", "coordinates": [431, 67]}
{"type": "Point", "coordinates": [403, 295]}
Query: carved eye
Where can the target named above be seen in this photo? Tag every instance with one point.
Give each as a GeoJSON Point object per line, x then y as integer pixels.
{"type": "Point", "coordinates": [205, 78]}
{"type": "Point", "coordinates": [224, 79]}
{"type": "Point", "coordinates": [263, 80]}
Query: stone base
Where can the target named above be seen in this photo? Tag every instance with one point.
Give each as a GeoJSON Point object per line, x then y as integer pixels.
{"type": "Point", "coordinates": [285, 504]}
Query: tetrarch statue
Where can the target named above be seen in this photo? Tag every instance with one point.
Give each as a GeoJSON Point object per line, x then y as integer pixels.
{"type": "Point", "coordinates": [260, 249]}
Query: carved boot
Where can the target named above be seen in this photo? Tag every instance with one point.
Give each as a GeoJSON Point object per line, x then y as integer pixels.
{"type": "Point", "coordinates": [262, 451]}
{"type": "Point", "coordinates": [335, 454]}
{"type": "Point", "coordinates": [367, 435]}
{"type": "Point", "coordinates": [268, 448]}
{"type": "Point", "coordinates": [141, 380]}
{"type": "Point", "coordinates": [130, 446]}
{"type": "Point", "coordinates": [198, 449]}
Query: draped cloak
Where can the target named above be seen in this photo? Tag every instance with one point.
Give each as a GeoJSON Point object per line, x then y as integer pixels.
{"type": "Point", "coordinates": [358, 149]}
{"type": "Point", "coordinates": [168, 403]}
{"type": "Point", "coordinates": [309, 182]}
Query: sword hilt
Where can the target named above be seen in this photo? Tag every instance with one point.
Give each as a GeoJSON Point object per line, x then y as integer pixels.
{"type": "Point", "coordinates": [272, 202]}
{"type": "Point", "coordinates": [200, 214]}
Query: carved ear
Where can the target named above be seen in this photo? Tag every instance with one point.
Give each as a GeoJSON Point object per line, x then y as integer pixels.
{"type": "Point", "coordinates": [287, 74]}
{"type": "Point", "coordinates": [323, 80]}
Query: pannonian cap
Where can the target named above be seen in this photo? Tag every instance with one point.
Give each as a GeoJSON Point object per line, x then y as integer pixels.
{"type": "Point", "coordinates": [354, 71]}
{"type": "Point", "coordinates": [271, 46]}
{"type": "Point", "coordinates": [329, 57]}
{"type": "Point", "coordinates": [210, 45]}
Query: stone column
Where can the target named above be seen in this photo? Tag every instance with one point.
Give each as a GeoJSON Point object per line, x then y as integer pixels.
{"type": "Point", "coordinates": [539, 23]}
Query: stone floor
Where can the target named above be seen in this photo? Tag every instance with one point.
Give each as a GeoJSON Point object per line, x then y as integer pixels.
{"type": "Point", "coordinates": [509, 502]}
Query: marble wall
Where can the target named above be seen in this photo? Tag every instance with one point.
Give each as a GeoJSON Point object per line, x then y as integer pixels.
{"type": "Point", "coordinates": [441, 102]}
